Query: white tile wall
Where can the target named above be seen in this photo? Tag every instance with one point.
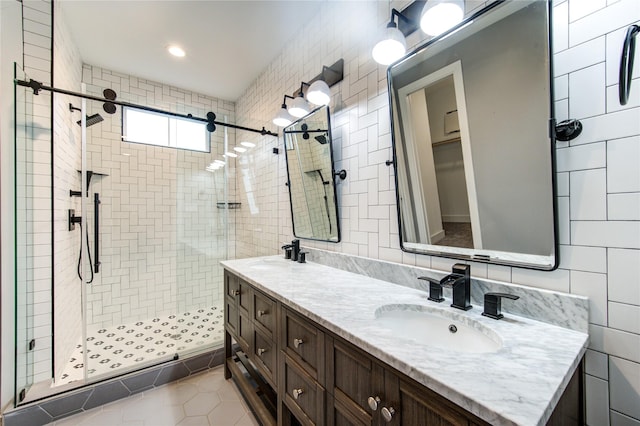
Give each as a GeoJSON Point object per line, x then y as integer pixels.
{"type": "Point", "coordinates": [598, 181]}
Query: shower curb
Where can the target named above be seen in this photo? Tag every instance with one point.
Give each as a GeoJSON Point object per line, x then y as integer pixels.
{"type": "Point", "coordinates": [76, 401]}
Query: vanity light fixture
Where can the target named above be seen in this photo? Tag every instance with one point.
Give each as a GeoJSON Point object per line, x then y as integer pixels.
{"type": "Point", "coordinates": [434, 17]}
{"type": "Point", "coordinates": [283, 118]}
{"type": "Point", "coordinates": [440, 15]}
{"type": "Point", "coordinates": [393, 45]}
{"type": "Point", "coordinates": [299, 107]}
{"type": "Point", "coordinates": [318, 92]}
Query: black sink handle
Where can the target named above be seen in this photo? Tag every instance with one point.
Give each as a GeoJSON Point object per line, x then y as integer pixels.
{"type": "Point", "coordinates": [492, 304]}
{"type": "Point", "coordinates": [435, 289]}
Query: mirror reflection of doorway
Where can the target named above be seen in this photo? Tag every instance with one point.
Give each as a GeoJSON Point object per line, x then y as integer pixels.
{"type": "Point", "coordinates": [444, 183]}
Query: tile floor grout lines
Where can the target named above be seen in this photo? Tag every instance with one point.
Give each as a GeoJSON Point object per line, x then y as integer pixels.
{"type": "Point", "coordinates": [122, 346]}
{"type": "Point", "coordinates": [204, 399]}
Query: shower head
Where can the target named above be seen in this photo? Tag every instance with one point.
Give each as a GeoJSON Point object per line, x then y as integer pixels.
{"type": "Point", "coordinates": [322, 139]}
{"type": "Point", "coordinates": [91, 120]}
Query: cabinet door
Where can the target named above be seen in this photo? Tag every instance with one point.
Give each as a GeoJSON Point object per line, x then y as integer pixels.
{"type": "Point", "coordinates": [353, 377]}
{"type": "Point", "coordinates": [302, 394]}
{"type": "Point", "coordinates": [232, 290]}
{"type": "Point", "coordinates": [265, 356]}
{"type": "Point", "coordinates": [304, 342]}
{"type": "Point", "coordinates": [244, 332]}
{"type": "Point", "coordinates": [264, 313]}
{"type": "Point", "coordinates": [416, 405]}
{"type": "Point", "coordinates": [245, 298]}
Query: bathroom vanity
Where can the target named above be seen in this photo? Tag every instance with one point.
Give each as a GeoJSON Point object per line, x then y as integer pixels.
{"type": "Point", "coordinates": [310, 344]}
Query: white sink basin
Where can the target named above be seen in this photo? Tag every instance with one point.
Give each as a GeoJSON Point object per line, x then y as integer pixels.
{"type": "Point", "coordinates": [438, 328]}
{"type": "Point", "coordinates": [267, 263]}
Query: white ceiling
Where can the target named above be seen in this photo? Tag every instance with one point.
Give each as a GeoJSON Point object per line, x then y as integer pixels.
{"type": "Point", "coordinates": [227, 43]}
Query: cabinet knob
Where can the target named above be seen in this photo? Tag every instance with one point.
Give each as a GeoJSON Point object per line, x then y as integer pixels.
{"type": "Point", "coordinates": [373, 402]}
{"type": "Point", "coordinates": [387, 413]}
{"type": "Point", "coordinates": [297, 343]}
{"type": "Point", "coordinates": [236, 292]}
{"type": "Point", "coordinates": [261, 351]}
{"type": "Point", "coordinates": [261, 313]}
{"type": "Point", "coordinates": [296, 393]}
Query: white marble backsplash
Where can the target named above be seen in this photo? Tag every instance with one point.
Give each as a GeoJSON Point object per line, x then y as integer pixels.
{"type": "Point", "coordinates": [562, 309]}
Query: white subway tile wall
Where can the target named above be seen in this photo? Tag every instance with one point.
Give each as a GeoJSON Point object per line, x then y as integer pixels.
{"type": "Point", "coordinates": [587, 36]}
{"type": "Point", "coordinates": [598, 179]}
{"type": "Point", "coordinates": [34, 218]}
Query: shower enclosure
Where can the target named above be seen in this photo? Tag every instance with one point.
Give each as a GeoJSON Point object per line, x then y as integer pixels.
{"type": "Point", "coordinates": [118, 243]}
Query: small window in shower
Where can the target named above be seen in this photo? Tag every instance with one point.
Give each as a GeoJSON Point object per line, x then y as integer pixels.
{"type": "Point", "coordinates": [152, 128]}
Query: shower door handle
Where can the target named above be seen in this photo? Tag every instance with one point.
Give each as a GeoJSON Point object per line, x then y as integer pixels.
{"type": "Point", "coordinates": [96, 231]}
{"type": "Point", "coordinates": [626, 64]}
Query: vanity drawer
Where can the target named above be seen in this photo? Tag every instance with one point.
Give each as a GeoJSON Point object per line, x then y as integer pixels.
{"type": "Point", "coordinates": [265, 356]}
{"type": "Point", "coordinates": [353, 377]}
{"type": "Point", "coordinates": [303, 342]}
{"type": "Point", "coordinates": [302, 394]}
{"type": "Point", "coordinates": [231, 287]}
{"type": "Point", "coordinates": [264, 313]}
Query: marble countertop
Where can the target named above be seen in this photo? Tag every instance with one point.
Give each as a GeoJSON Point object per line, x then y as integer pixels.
{"type": "Point", "coordinates": [520, 384]}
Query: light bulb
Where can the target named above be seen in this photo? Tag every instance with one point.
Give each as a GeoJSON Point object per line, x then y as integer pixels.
{"type": "Point", "coordinates": [319, 93]}
{"type": "Point", "coordinates": [439, 16]}
{"type": "Point", "coordinates": [298, 107]}
{"type": "Point", "coordinates": [391, 48]}
{"type": "Point", "coordinates": [282, 119]}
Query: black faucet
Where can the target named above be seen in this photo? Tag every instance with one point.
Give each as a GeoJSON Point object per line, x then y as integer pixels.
{"type": "Point", "coordinates": [295, 249]}
{"type": "Point", "coordinates": [287, 250]}
{"type": "Point", "coordinates": [435, 289]}
{"type": "Point", "coordinates": [460, 281]}
{"type": "Point", "coordinates": [492, 305]}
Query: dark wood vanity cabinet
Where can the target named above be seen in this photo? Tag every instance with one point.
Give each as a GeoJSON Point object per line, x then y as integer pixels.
{"type": "Point", "coordinates": [292, 371]}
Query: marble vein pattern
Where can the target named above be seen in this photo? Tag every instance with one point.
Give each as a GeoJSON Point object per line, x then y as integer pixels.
{"type": "Point", "coordinates": [565, 310]}
{"type": "Point", "coordinates": [519, 384]}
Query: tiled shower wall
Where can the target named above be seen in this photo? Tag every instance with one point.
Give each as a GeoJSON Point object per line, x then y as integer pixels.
{"type": "Point", "coordinates": [34, 263]}
{"type": "Point", "coordinates": [162, 234]}
{"type": "Point", "coordinates": [67, 286]}
{"type": "Point", "coordinates": [598, 177]}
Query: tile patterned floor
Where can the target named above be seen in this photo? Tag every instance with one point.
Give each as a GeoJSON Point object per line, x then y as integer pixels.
{"type": "Point", "coordinates": [124, 346]}
{"type": "Point", "coordinates": [200, 400]}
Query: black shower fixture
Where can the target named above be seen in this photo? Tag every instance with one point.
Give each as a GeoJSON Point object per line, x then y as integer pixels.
{"type": "Point", "coordinates": [322, 139]}
{"type": "Point", "coordinates": [109, 107]}
{"type": "Point", "coordinates": [211, 122]}
{"type": "Point", "coordinates": [91, 120]}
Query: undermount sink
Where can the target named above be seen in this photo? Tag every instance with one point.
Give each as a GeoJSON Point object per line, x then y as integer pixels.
{"type": "Point", "coordinates": [438, 328]}
{"type": "Point", "coordinates": [267, 263]}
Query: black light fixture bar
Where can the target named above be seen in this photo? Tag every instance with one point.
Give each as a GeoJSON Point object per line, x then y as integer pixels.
{"type": "Point", "coordinates": [37, 86]}
{"type": "Point", "coordinates": [410, 15]}
{"type": "Point", "coordinates": [331, 75]}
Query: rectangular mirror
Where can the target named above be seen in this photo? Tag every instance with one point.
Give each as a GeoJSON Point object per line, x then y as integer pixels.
{"type": "Point", "coordinates": [471, 113]}
{"type": "Point", "coordinates": [312, 193]}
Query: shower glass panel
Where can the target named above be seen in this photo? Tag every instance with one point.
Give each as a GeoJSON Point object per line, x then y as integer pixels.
{"type": "Point", "coordinates": [24, 235]}
{"type": "Point", "coordinates": [117, 244]}
{"type": "Point", "coordinates": [154, 287]}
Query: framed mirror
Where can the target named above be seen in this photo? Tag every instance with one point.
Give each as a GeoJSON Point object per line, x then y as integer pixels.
{"type": "Point", "coordinates": [473, 152]}
{"type": "Point", "coordinates": [310, 172]}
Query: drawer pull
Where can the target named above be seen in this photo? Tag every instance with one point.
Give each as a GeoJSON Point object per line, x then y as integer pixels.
{"type": "Point", "coordinates": [297, 343]}
{"type": "Point", "coordinates": [296, 393]}
{"type": "Point", "coordinates": [261, 351]}
{"type": "Point", "coordinates": [387, 413]}
{"type": "Point", "coordinates": [236, 292]}
{"type": "Point", "coordinates": [261, 313]}
{"type": "Point", "coordinates": [373, 402]}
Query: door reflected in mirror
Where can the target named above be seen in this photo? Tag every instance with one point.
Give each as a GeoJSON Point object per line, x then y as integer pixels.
{"type": "Point", "coordinates": [473, 151]}
{"type": "Point", "coordinates": [308, 149]}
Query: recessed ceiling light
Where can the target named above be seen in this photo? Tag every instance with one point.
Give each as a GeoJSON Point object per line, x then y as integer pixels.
{"type": "Point", "coordinates": [230, 154]}
{"type": "Point", "coordinates": [176, 51]}
{"type": "Point", "coordinates": [248, 144]}
{"type": "Point", "coordinates": [239, 149]}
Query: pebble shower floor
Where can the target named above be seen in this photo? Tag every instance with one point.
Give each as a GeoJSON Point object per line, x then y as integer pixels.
{"type": "Point", "coordinates": [123, 346]}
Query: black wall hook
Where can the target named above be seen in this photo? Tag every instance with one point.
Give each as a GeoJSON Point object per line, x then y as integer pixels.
{"type": "Point", "coordinates": [342, 174]}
